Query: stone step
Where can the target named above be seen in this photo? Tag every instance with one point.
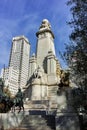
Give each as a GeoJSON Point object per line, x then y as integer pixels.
{"type": "Point", "coordinates": [32, 122]}
{"type": "Point", "coordinates": [37, 122]}
{"type": "Point", "coordinates": [24, 121]}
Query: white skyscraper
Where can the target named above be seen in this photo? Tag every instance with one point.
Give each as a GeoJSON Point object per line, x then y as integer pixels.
{"type": "Point", "coordinates": [19, 58]}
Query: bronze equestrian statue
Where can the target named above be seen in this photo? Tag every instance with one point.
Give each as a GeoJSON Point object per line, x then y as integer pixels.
{"type": "Point", "coordinates": [18, 100]}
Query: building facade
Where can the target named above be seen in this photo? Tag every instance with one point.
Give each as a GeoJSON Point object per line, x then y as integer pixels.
{"type": "Point", "coordinates": [19, 58]}
{"type": "Point", "coordinates": [10, 78]}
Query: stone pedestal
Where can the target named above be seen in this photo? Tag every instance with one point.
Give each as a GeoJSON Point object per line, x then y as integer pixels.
{"type": "Point", "coordinates": [39, 92]}
{"type": "Point", "coordinates": [52, 79]}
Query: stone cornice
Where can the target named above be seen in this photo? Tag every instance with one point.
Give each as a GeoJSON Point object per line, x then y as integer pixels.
{"type": "Point", "coordinates": [45, 30]}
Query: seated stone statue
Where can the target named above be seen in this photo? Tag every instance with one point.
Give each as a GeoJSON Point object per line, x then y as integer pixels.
{"type": "Point", "coordinates": [38, 72]}
{"type": "Point", "coordinates": [39, 76]}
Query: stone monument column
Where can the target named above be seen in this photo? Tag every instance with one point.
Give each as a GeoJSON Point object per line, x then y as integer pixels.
{"type": "Point", "coordinates": [51, 68]}
{"type": "Point", "coordinates": [51, 63]}
{"type": "Point", "coordinates": [45, 42]}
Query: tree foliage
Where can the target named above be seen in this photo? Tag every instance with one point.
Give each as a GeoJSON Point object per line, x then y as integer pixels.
{"type": "Point", "coordinates": [7, 92]}
{"type": "Point", "coordinates": [5, 97]}
{"type": "Point", "coordinates": [76, 51]}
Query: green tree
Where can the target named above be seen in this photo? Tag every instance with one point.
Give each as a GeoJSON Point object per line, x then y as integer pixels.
{"type": "Point", "coordinates": [76, 50]}
{"type": "Point", "coordinates": [7, 91]}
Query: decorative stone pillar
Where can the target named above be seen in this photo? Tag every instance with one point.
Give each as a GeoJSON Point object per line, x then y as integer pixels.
{"type": "Point", "coordinates": [52, 76]}
{"type": "Point", "coordinates": [32, 65]}
{"type": "Point", "coordinates": [51, 68]}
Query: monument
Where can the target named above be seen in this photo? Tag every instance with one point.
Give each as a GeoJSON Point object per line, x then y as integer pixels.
{"type": "Point", "coordinates": [43, 77]}
{"type": "Point", "coordinates": [47, 94]}
{"type": "Point", "coordinates": [48, 88]}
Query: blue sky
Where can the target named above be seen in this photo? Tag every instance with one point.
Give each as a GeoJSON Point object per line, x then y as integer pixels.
{"type": "Point", "coordinates": [23, 17]}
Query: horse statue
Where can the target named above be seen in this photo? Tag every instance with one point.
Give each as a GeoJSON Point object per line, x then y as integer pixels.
{"type": "Point", "coordinates": [7, 103]}
{"type": "Point", "coordinates": [18, 101]}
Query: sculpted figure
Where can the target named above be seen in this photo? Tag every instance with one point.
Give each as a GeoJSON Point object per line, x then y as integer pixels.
{"type": "Point", "coordinates": [40, 75]}
{"type": "Point", "coordinates": [38, 72]}
{"type": "Point", "coordinates": [45, 24]}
